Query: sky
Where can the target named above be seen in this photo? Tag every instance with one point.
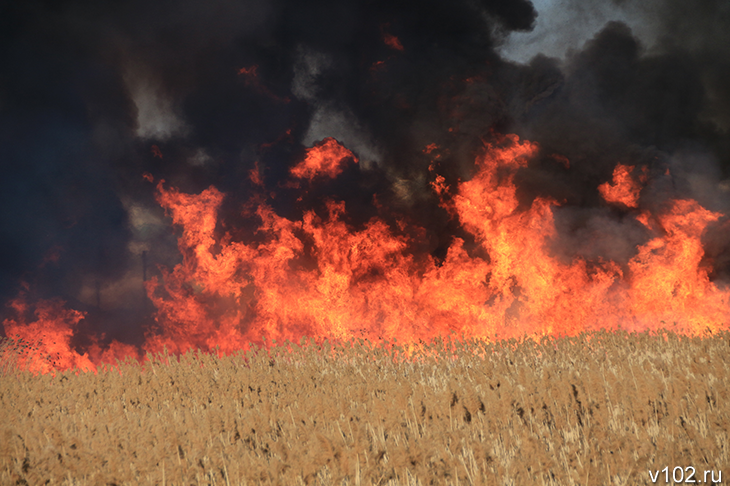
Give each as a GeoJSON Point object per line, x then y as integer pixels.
{"type": "Point", "coordinates": [564, 25]}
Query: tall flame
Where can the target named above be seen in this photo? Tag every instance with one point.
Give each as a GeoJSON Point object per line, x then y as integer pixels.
{"type": "Point", "coordinates": [320, 277]}
{"type": "Point", "coordinates": [367, 283]}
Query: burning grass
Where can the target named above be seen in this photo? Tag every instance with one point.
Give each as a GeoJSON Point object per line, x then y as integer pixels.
{"type": "Point", "coordinates": [600, 408]}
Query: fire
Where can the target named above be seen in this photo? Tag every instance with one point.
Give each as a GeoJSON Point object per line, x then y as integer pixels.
{"type": "Point", "coordinates": [624, 189]}
{"type": "Point", "coordinates": [392, 41]}
{"type": "Point", "coordinates": [46, 330]}
{"type": "Point", "coordinates": [324, 159]}
{"type": "Point", "coordinates": [368, 283]}
{"type": "Point", "coordinates": [320, 277]}
{"type": "Point", "coordinates": [668, 282]}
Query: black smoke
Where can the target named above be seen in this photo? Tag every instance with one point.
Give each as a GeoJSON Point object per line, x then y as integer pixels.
{"type": "Point", "coordinates": [95, 94]}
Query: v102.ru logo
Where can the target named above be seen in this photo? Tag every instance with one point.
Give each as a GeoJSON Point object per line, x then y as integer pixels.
{"type": "Point", "coordinates": [687, 474]}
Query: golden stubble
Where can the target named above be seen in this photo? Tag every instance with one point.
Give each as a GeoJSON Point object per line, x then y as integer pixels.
{"type": "Point", "coordinates": [597, 409]}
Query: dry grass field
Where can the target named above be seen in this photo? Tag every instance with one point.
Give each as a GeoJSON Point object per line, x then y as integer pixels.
{"type": "Point", "coordinates": [599, 409]}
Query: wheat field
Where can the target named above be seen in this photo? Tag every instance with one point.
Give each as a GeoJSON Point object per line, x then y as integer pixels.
{"type": "Point", "coordinates": [597, 409]}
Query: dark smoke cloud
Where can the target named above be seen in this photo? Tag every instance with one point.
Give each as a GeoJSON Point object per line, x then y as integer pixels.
{"type": "Point", "coordinates": [218, 88]}
{"type": "Point", "coordinates": [615, 101]}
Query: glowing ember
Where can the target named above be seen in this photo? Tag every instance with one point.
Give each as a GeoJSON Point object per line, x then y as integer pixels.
{"type": "Point", "coordinates": [249, 72]}
{"type": "Point", "coordinates": [252, 79]}
{"type": "Point", "coordinates": [392, 41]}
{"type": "Point", "coordinates": [156, 152]}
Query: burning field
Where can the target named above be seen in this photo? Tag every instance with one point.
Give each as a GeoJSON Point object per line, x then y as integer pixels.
{"type": "Point", "coordinates": [321, 277]}
{"type": "Point", "coordinates": [223, 177]}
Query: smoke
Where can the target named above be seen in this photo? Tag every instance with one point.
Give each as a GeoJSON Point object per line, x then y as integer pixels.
{"type": "Point", "coordinates": [621, 100]}
{"type": "Point", "coordinates": [94, 95]}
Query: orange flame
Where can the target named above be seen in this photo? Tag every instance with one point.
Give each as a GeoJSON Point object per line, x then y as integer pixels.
{"type": "Point", "coordinates": [667, 282]}
{"type": "Point", "coordinates": [324, 159]}
{"type": "Point", "coordinates": [46, 335]}
{"type": "Point", "coordinates": [320, 277]}
{"type": "Point", "coordinates": [43, 332]}
{"type": "Point", "coordinates": [367, 283]}
{"type": "Point", "coordinates": [624, 190]}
